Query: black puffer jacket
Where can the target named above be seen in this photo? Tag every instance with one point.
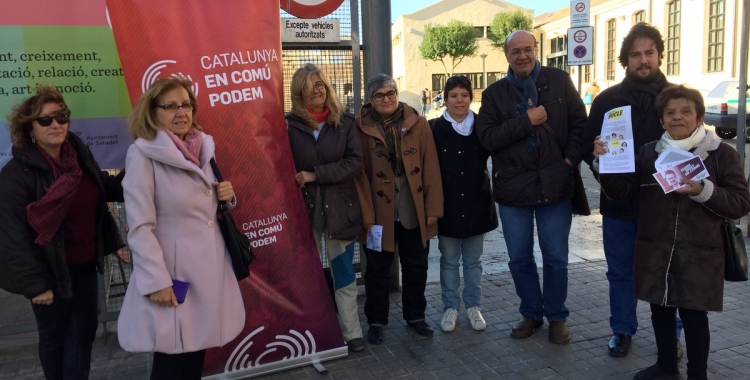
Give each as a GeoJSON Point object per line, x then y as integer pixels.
{"type": "Point", "coordinates": [523, 176]}
{"type": "Point", "coordinates": [336, 159]}
{"type": "Point", "coordinates": [29, 269]}
{"type": "Point", "coordinates": [646, 128]}
{"type": "Point", "coordinates": [468, 206]}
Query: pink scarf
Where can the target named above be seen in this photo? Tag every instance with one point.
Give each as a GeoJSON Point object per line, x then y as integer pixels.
{"type": "Point", "coordinates": [190, 147]}
{"type": "Point", "coordinates": [47, 214]}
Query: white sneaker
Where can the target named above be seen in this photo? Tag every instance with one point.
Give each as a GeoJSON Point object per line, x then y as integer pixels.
{"type": "Point", "coordinates": [448, 323]}
{"type": "Point", "coordinates": [475, 317]}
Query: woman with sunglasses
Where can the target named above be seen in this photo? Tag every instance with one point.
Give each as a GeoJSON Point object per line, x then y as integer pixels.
{"type": "Point", "coordinates": [400, 190]}
{"type": "Point", "coordinates": [469, 209]}
{"type": "Point", "coordinates": [183, 296]}
{"type": "Point", "coordinates": [327, 156]}
{"type": "Point", "coordinates": [55, 230]}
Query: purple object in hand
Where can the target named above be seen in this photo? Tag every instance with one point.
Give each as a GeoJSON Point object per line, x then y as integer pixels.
{"type": "Point", "coordinates": [180, 289]}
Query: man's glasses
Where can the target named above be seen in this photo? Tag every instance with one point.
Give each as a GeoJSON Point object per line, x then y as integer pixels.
{"type": "Point", "coordinates": [528, 51]}
{"type": "Point", "coordinates": [380, 95]}
{"type": "Point", "coordinates": [60, 118]}
{"type": "Point", "coordinates": [174, 107]}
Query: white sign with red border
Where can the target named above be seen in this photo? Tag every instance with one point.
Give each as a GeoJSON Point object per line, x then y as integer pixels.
{"type": "Point", "coordinates": [579, 13]}
{"type": "Point", "coordinates": [311, 9]}
{"type": "Point", "coordinates": [580, 46]}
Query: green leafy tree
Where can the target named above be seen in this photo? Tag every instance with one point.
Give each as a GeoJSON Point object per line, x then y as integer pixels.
{"type": "Point", "coordinates": [506, 23]}
{"type": "Point", "coordinates": [449, 44]}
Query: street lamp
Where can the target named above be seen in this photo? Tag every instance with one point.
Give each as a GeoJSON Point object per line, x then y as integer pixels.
{"type": "Point", "coordinates": [484, 71]}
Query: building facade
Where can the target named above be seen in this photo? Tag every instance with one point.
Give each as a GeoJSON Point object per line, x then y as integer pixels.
{"type": "Point", "coordinates": [412, 73]}
{"type": "Point", "coordinates": [702, 39]}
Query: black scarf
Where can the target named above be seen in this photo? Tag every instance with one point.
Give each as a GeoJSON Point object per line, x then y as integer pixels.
{"type": "Point", "coordinates": [646, 93]}
{"type": "Point", "coordinates": [392, 137]}
{"type": "Point", "coordinates": [528, 86]}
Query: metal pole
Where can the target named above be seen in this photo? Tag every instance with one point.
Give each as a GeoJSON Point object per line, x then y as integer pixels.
{"type": "Point", "coordinates": [484, 71]}
{"type": "Point", "coordinates": [376, 37]}
{"type": "Point", "coordinates": [356, 61]}
{"type": "Point", "coordinates": [742, 100]}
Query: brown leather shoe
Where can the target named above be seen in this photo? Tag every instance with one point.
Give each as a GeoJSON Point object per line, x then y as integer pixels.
{"type": "Point", "coordinates": [558, 332]}
{"type": "Point", "coordinates": [525, 327]}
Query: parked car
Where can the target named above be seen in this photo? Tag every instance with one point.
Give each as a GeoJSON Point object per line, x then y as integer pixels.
{"type": "Point", "coordinates": [721, 109]}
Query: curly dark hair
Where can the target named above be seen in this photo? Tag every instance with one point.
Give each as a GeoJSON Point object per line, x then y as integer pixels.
{"type": "Point", "coordinates": [680, 92]}
{"type": "Point", "coordinates": [23, 114]}
{"type": "Point", "coordinates": [641, 30]}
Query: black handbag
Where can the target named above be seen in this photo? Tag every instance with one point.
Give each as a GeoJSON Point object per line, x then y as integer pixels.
{"type": "Point", "coordinates": [237, 243]}
{"type": "Point", "coordinates": [735, 253]}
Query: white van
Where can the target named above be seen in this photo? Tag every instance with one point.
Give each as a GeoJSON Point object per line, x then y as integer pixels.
{"type": "Point", "coordinates": [721, 109]}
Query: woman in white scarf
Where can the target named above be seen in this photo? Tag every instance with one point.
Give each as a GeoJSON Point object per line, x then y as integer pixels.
{"type": "Point", "coordinates": [469, 211]}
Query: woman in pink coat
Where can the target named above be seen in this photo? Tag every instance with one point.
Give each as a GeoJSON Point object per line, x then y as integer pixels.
{"type": "Point", "coordinates": [171, 201]}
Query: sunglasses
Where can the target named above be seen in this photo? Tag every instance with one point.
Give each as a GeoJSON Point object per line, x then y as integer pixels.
{"type": "Point", "coordinates": [60, 118]}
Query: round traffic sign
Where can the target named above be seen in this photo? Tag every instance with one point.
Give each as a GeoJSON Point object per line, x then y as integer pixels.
{"type": "Point", "coordinates": [310, 8]}
{"type": "Point", "coordinates": [579, 36]}
{"type": "Point", "coordinates": [579, 51]}
{"type": "Point", "coordinates": [580, 7]}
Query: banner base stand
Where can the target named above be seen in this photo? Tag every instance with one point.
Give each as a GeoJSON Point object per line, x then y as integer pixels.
{"type": "Point", "coordinates": [264, 369]}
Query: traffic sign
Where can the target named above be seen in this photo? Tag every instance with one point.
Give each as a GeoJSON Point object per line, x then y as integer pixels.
{"type": "Point", "coordinates": [310, 9]}
{"type": "Point", "coordinates": [580, 47]}
{"type": "Point", "coordinates": [579, 13]}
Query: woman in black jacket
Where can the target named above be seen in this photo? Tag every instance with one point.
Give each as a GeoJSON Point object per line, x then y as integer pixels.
{"type": "Point", "coordinates": [55, 230]}
{"type": "Point", "coordinates": [469, 209]}
{"type": "Point", "coordinates": [327, 156]}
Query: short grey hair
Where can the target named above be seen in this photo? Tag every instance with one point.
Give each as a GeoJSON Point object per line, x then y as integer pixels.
{"type": "Point", "coordinates": [379, 81]}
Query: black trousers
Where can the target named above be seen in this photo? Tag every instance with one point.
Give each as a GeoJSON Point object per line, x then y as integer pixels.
{"type": "Point", "coordinates": [184, 366]}
{"type": "Point", "coordinates": [67, 327]}
{"type": "Point", "coordinates": [697, 339]}
{"type": "Point", "coordinates": [413, 258]}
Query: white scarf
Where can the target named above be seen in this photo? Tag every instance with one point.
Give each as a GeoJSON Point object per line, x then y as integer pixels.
{"type": "Point", "coordinates": [464, 127]}
{"type": "Point", "coordinates": [687, 143]}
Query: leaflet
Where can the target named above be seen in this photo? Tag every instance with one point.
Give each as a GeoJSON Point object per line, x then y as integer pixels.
{"type": "Point", "coordinates": [671, 157]}
{"type": "Point", "coordinates": [617, 135]}
{"type": "Point", "coordinates": [670, 179]}
{"type": "Point", "coordinates": [375, 238]}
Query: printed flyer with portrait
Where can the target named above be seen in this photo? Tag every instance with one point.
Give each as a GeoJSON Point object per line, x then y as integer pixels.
{"type": "Point", "coordinates": [617, 135]}
{"type": "Point", "coordinates": [673, 165]}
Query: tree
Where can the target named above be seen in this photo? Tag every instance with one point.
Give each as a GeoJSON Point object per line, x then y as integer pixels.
{"type": "Point", "coordinates": [506, 23]}
{"type": "Point", "coordinates": [449, 44]}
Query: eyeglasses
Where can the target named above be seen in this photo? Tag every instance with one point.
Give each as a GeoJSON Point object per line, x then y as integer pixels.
{"type": "Point", "coordinates": [60, 118]}
{"type": "Point", "coordinates": [460, 79]}
{"type": "Point", "coordinates": [174, 107]}
{"type": "Point", "coordinates": [527, 51]}
{"type": "Point", "coordinates": [380, 95]}
{"type": "Point", "coordinates": [320, 86]}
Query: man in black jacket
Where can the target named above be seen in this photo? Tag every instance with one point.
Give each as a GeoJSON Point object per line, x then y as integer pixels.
{"type": "Point", "coordinates": [641, 55]}
{"type": "Point", "coordinates": [531, 121]}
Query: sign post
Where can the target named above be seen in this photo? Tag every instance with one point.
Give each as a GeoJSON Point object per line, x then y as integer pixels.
{"type": "Point", "coordinates": [580, 37]}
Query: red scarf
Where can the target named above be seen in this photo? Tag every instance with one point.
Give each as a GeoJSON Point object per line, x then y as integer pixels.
{"type": "Point", "coordinates": [191, 146]}
{"type": "Point", "coordinates": [47, 214]}
{"type": "Point", "coordinates": [319, 117]}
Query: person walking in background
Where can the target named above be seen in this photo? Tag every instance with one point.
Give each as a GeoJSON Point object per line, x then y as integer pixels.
{"type": "Point", "coordinates": [327, 157]}
{"type": "Point", "coordinates": [171, 198]}
{"type": "Point", "coordinates": [531, 121]}
{"type": "Point", "coordinates": [679, 258]}
{"type": "Point", "coordinates": [55, 230]}
{"type": "Point", "coordinates": [425, 101]}
{"type": "Point", "coordinates": [590, 95]}
{"type": "Point", "coordinates": [469, 211]}
{"type": "Point", "coordinates": [641, 55]}
{"type": "Point", "coordinates": [400, 190]}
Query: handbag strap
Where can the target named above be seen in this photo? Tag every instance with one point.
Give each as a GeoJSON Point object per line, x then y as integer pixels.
{"type": "Point", "coordinates": [219, 178]}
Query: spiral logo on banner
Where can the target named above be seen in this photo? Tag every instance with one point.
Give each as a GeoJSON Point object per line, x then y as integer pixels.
{"type": "Point", "coordinates": [153, 73]}
{"type": "Point", "coordinates": [297, 345]}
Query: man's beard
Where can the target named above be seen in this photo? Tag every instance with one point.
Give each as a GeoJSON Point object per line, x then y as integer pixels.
{"type": "Point", "coordinates": [633, 75]}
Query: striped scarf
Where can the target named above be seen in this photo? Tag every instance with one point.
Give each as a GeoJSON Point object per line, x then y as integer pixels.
{"type": "Point", "coordinates": [392, 137]}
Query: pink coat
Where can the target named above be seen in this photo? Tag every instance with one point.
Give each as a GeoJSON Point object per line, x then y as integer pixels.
{"type": "Point", "coordinates": [171, 210]}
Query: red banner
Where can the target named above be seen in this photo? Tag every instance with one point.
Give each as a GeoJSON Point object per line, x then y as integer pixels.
{"type": "Point", "coordinates": [232, 52]}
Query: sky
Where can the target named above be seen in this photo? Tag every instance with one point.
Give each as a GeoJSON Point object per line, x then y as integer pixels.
{"type": "Point", "coordinates": [399, 7]}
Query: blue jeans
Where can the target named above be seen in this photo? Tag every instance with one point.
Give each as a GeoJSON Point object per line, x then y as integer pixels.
{"type": "Point", "coordinates": [451, 250]}
{"type": "Point", "coordinates": [619, 245]}
{"type": "Point", "coordinates": [553, 227]}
